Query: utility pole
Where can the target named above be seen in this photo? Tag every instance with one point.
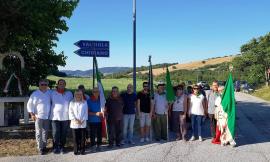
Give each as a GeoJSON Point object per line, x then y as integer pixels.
{"type": "Point", "coordinates": [134, 46]}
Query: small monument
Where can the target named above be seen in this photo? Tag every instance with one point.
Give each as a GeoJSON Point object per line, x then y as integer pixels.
{"type": "Point", "coordinates": [13, 89]}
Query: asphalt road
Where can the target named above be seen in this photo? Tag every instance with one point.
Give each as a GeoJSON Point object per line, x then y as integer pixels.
{"type": "Point", "coordinates": [253, 143]}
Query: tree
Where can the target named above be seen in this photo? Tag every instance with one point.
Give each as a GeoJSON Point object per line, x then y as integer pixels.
{"type": "Point", "coordinates": [254, 60]}
{"type": "Point", "coordinates": [32, 27]}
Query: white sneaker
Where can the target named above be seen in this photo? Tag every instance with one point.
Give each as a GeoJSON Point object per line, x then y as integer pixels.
{"type": "Point", "coordinates": [147, 139]}
{"type": "Point", "coordinates": [200, 138]}
{"type": "Point", "coordinates": [142, 140]}
{"type": "Point", "coordinates": [192, 138]}
{"type": "Point", "coordinates": [232, 143]}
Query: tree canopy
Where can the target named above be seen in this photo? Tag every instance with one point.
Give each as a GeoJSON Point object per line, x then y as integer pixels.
{"type": "Point", "coordinates": [254, 60]}
{"type": "Point", "coordinates": [32, 27]}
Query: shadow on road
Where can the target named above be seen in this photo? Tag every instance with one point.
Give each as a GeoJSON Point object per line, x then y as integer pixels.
{"type": "Point", "coordinates": [253, 123]}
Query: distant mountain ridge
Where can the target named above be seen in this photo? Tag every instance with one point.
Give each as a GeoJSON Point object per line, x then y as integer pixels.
{"type": "Point", "coordinates": [88, 73]}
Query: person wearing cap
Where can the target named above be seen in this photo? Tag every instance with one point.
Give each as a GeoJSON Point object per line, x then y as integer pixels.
{"type": "Point", "coordinates": [39, 105]}
{"type": "Point", "coordinates": [197, 110]}
{"type": "Point", "coordinates": [179, 111]}
{"type": "Point", "coordinates": [59, 115]}
{"type": "Point", "coordinates": [160, 110]}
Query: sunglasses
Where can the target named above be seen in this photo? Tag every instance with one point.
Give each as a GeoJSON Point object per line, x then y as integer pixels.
{"type": "Point", "coordinates": [195, 88]}
{"type": "Point", "coordinates": [44, 84]}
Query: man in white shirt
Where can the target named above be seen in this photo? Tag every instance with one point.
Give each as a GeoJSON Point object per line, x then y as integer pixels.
{"type": "Point", "coordinates": [39, 105]}
{"type": "Point", "coordinates": [59, 115]}
{"type": "Point", "coordinates": [211, 96]}
{"type": "Point", "coordinates": [160, 110]}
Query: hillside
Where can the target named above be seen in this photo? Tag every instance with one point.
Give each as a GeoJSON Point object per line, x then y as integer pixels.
{"type": "Point", "coordinates": [191, 65]}
{"type": "Point", "coordinates": [88, 73]}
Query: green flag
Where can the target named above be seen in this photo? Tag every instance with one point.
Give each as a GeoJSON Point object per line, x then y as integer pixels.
{"type": "Point", "coordinates": [228, 104]}
{"type": "Point", "coordinates": [169, 89]}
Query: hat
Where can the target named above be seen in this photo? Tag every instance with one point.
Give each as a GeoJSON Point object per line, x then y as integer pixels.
{"type": "Point", "coordinates": [196, 85]}
{"type": "Point", "coordinates": [160, 83]}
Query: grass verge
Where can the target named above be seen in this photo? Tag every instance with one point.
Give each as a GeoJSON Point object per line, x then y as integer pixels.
{"type": "Point", "coordinates": [263, 92]}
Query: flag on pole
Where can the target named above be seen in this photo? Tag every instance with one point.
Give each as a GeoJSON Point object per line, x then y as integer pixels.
{"type": "Point", "coordinates": [102, 99]}
{"type": "Point", "coordinates": [169, 88]}
{"type": "Point", "coordinates": [150, 79]}
{"type": "Point", "coordinates": [169, 95]}
{"type": "Point", "coordinates": [100, 86]}
{"type": "Point", "coordinates": [228, 104]}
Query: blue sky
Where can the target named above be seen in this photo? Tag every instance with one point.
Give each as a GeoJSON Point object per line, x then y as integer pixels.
{"type": "Point", "coordinates": [169, 30]}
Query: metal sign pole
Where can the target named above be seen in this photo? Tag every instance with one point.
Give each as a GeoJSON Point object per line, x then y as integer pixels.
{"type": "Point", "coordinates": [134, 46]}
{"type": "Point", "coordinates": [93, 72]}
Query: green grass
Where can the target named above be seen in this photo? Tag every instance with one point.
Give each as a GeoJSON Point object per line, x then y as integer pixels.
{"type": "Point", "coordinates": [72, 83]}
{"type": "Point", "coordinates": [263, 93]}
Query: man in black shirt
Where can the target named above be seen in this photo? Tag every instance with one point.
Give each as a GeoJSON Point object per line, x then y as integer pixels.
{"type": "Point", "coordinates": [114, 112]}
{"type": "Point", "coordinates": [144, 112]}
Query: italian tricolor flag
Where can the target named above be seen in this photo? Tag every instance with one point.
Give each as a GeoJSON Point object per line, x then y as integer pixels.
{"type": "Point", "coordinates": [228, 105]}
{"type": "Point", "coordinates": [102, 99]}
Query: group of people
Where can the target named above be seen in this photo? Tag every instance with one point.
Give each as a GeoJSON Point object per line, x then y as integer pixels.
{"type": "Point", "coordinates": [81, 113]}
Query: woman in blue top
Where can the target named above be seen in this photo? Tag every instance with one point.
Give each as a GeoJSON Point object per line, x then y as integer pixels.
{"type": "Point", "coordinates": [94, 119]}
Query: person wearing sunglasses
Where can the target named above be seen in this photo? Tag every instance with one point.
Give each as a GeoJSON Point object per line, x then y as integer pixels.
{"type": "Point", "coordinates": [39, 105]}
{"type": "Point", "coordinates": [197, 110]}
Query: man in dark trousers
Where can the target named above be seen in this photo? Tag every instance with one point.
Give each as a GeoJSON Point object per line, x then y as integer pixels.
{"type": "Point", "coordinates": [114, 111]}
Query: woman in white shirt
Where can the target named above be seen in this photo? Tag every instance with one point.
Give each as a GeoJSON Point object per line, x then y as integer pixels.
{"type": "Point", "coordinates": [78, 115]}
{"type": "Point", "coordinates": [197, 111]}
{"type": "Point", "coordinates": [179, 111]}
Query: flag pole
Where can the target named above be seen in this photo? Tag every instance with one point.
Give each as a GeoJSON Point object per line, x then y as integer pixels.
{"type": "Point", "coordinates": [93, 71]}
{"type": "Point", "coordinates": [169, 96]}
{"type": "Point", "coordinates": [168, 125]}
{"type": "Point", "coordinates": [167, 116]}
{"type": "Point", "coordinates": [150, 84]}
